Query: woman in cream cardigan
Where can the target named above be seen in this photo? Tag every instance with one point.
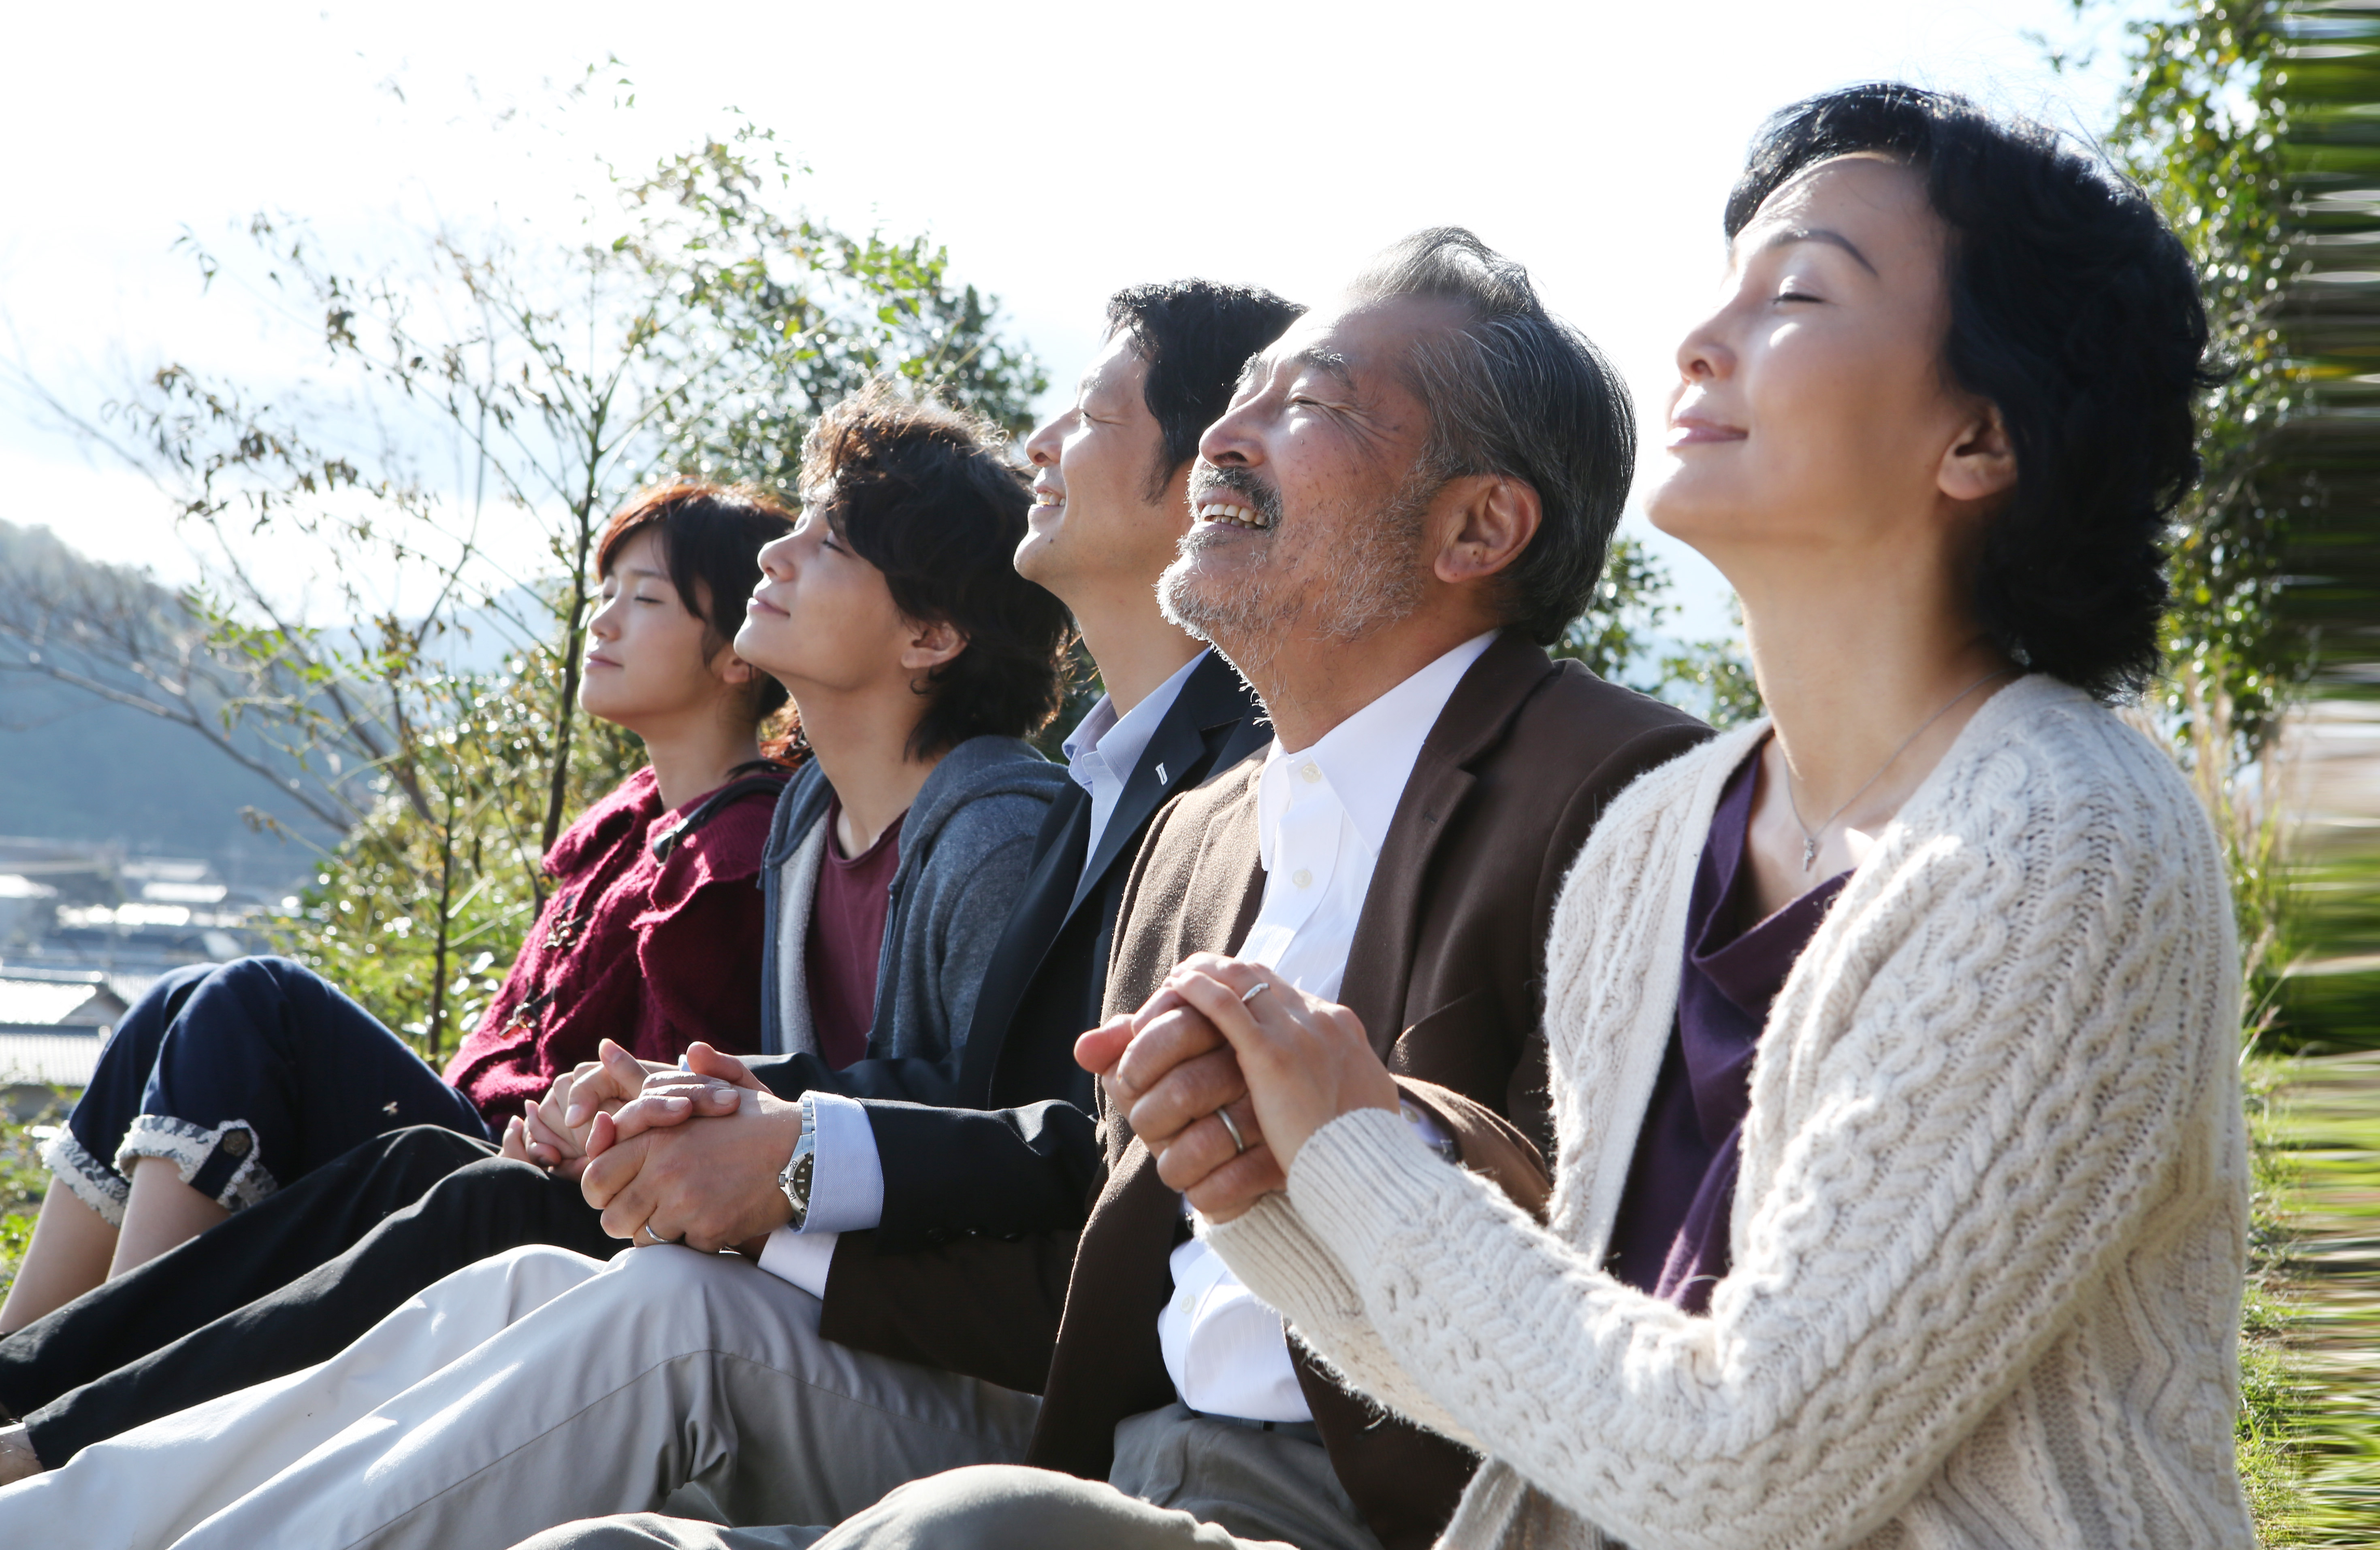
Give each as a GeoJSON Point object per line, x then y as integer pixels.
{"type": "Point", "coordinates": [1956, 1260]}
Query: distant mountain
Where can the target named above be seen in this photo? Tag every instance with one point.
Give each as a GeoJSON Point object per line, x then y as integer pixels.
{"type": "Point", "coordinates": [76, 767]}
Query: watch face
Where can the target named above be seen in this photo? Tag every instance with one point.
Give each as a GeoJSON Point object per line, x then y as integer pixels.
{"type": "Point", "coordinates": [797, 1187]}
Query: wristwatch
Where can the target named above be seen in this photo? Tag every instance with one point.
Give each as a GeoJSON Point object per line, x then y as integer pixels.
{"type": "Point", "coordinates": [796, 1180]}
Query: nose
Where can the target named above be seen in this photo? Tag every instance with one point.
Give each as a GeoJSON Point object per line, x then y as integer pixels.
{"type": "Point", "coordinates": [1041, 448]}
{"type": "Point", "coordinates": [605, 625]}
{"type": "Point", "coordinates": [1704, 354]}
{"type": "Point", "coordinates": [777, 559]}
{"type": "Point", "coordinates": [1233, 441]}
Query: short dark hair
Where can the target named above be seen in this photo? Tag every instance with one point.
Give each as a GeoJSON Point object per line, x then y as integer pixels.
{"type": "Point", "coordinates": [2076, 313]}
{"type": "Point", "coordinates": [1195, 335]}
{"type": "Point", "coordinates": [924, 493]}
{"type": "Point", "coordinates": [712, 536]}
{"type": "Point", "coordinates": [1518, 393]}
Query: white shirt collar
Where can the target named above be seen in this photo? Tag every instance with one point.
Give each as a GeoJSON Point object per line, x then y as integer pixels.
{"type": "Point", "coordinates": [1121, 740]}
{"type": "Point", "coordinates": [1367, 758]}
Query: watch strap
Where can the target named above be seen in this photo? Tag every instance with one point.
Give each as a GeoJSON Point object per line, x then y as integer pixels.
{"type": "Point", "coordinates": [795, 1178]}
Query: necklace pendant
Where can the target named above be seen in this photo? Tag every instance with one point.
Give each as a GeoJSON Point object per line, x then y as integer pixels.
{"type": "Point", "coordinates": [1809, 852]}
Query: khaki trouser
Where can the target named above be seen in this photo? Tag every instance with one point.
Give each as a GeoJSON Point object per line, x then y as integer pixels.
{"type": "Point", "coordinates": [533, 1388]}
{"type": "Point", "coordinates": [1181, 1482]}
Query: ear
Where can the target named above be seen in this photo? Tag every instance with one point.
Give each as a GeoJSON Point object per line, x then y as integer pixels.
{"type": "Point", "coordinates": [929, 645]}
{"type": "Point", "coordinates": [733, 670]}
{"type": "Point", "coordinates": [1981, 463]}
{"type": "Point", "coordinates": [1492, 520]}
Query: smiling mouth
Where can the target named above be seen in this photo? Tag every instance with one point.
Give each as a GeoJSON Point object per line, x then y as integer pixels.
{"type": "Point", "coordinates": [1237, 517]}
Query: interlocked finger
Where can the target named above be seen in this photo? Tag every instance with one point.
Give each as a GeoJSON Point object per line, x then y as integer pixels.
{"type": "Point", "coordinates": [1189, 1093]}
{"type": "Point", "coordinates": [1205, 1147]}
{"type": "Point", "coordinates": [1162, 1044]}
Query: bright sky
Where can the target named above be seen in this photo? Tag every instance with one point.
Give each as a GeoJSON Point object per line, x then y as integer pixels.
{"type": "Point", "coordinates": [1060, 149]}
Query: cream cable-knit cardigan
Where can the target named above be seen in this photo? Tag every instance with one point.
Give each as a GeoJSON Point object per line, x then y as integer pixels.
{"type": "Point", "coordinates": [1989, 1234]}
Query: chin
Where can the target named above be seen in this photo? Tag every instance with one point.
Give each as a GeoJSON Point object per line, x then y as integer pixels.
{"type": "Point", "coordinates": [1674, 506]}
{"type": "Point", "coordinates": [1032, 559]}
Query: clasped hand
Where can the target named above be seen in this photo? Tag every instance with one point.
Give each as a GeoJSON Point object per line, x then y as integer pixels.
{"type": "Point", "coordinates": [1282, 1063]}
{"type": "Point", "coordinates": [553, 1132]}
{"type": "Point", "coordinates": [710, 1186]}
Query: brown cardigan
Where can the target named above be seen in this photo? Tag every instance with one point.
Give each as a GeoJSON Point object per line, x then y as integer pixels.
{"type": "Point", "coordinates": [1446, 971]}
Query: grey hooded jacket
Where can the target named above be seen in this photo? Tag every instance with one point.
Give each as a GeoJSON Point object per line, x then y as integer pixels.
{"type": "Point", "coordinates": [965, 847]}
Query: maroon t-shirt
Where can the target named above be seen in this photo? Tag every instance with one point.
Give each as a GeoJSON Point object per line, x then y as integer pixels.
{"type": "Point", "coordinates": [846, 939]}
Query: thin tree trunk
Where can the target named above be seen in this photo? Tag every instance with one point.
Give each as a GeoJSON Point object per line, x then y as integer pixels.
{"type": "Point", "coordinates": [445, 901]}
{"type": "Point", "coordinates": [566, 708]}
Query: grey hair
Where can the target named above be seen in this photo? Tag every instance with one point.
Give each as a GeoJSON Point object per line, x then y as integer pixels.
{"type": "Point", "coordinates": [1516, 392]}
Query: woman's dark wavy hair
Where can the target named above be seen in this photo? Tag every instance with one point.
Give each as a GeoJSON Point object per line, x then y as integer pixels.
{"type": "Point", "coordinates": [924, 494]}
{"type": "Point", "coordinates": [2076, 312]}
{"type": "Point", "coordinates": [711, 540]}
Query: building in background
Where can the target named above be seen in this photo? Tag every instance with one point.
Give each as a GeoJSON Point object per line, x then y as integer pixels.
{"type": "Point", "coordinates": [85, 930]}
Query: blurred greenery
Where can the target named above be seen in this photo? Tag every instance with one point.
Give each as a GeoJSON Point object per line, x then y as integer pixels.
{"type": "Point", "coordinates": [2255, 125]}
{"type": "Point", "coordinates": [2310, 1351]}
{"type": "Point", "coordinates": [694, 327]}
{"type": "Point", "coordinates": [1619, 637]}
{"type": "Point", "coordinates": [23, 1180]}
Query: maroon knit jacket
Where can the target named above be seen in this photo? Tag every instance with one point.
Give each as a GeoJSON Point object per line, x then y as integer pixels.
{"type": "Point", "coordinates": [654, 953]}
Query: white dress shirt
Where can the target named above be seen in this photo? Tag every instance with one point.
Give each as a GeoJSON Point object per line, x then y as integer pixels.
{"type": "Point", "coordinates": [847, 1174]}
{"type": "Point", "coordinates": [1104, 748]}
{"type": "Point", "coordinates": [1322, 815]}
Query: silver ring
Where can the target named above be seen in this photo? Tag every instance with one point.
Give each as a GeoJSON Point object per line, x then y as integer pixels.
{"type": "Point", "coordinates": [1252, 992]}
{"type": "Point", "coordinates": [1239, 1142]}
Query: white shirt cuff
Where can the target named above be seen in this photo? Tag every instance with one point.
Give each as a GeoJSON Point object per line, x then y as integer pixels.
{"type": "Point", "coordinates": [803, 1258]}
{"type": "Point", "coordinates": [1424, 1125]}
{"type": "Point", "coordinates": [846, 1175]}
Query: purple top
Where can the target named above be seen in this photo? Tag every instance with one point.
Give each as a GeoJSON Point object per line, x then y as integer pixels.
{"type": "Point", "coordinates": [1670, 1238]}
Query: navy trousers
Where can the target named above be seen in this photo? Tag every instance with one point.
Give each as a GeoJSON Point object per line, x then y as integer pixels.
{"type": "Point", "coordinates": [249, 1075]}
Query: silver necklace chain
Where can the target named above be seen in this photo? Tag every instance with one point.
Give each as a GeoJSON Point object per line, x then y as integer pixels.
{"type": "Point", "coordinates": [1809, 835]}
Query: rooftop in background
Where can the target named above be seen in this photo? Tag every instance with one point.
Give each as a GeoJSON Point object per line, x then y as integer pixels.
{"type": "Point", "coordinates": [58, 997]}
{"type": "Point", "coordinates": [73, 914]}
{"type": "Point", "coordinates": [54, 1022]}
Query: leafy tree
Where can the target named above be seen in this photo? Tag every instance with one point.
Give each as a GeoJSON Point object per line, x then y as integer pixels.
{"type": "Point", "coordinates": [695, 328]}
{"type": "Point", "coordinates": [1619, 637]}
{"type": "Point", "coordinates": [2201, 126]}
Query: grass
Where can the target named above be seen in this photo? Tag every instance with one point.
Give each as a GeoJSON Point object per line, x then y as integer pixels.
{"type": "Point", "coordinates": [2270, 1400]}
{"type": "Point", "coordinates": [2315, 1466]}
{"type": "Point", "coordinates": [23, 1180]}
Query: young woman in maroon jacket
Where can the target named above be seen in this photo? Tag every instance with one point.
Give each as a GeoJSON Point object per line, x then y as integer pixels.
{"type": "Point", "coordinates": [226, 1081]}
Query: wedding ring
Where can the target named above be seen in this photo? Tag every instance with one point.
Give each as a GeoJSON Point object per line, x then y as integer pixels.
{"type": "Point", "coordinates": [1239, 1142]}
{"type": "Point", "coordinates": [1251, 995]}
